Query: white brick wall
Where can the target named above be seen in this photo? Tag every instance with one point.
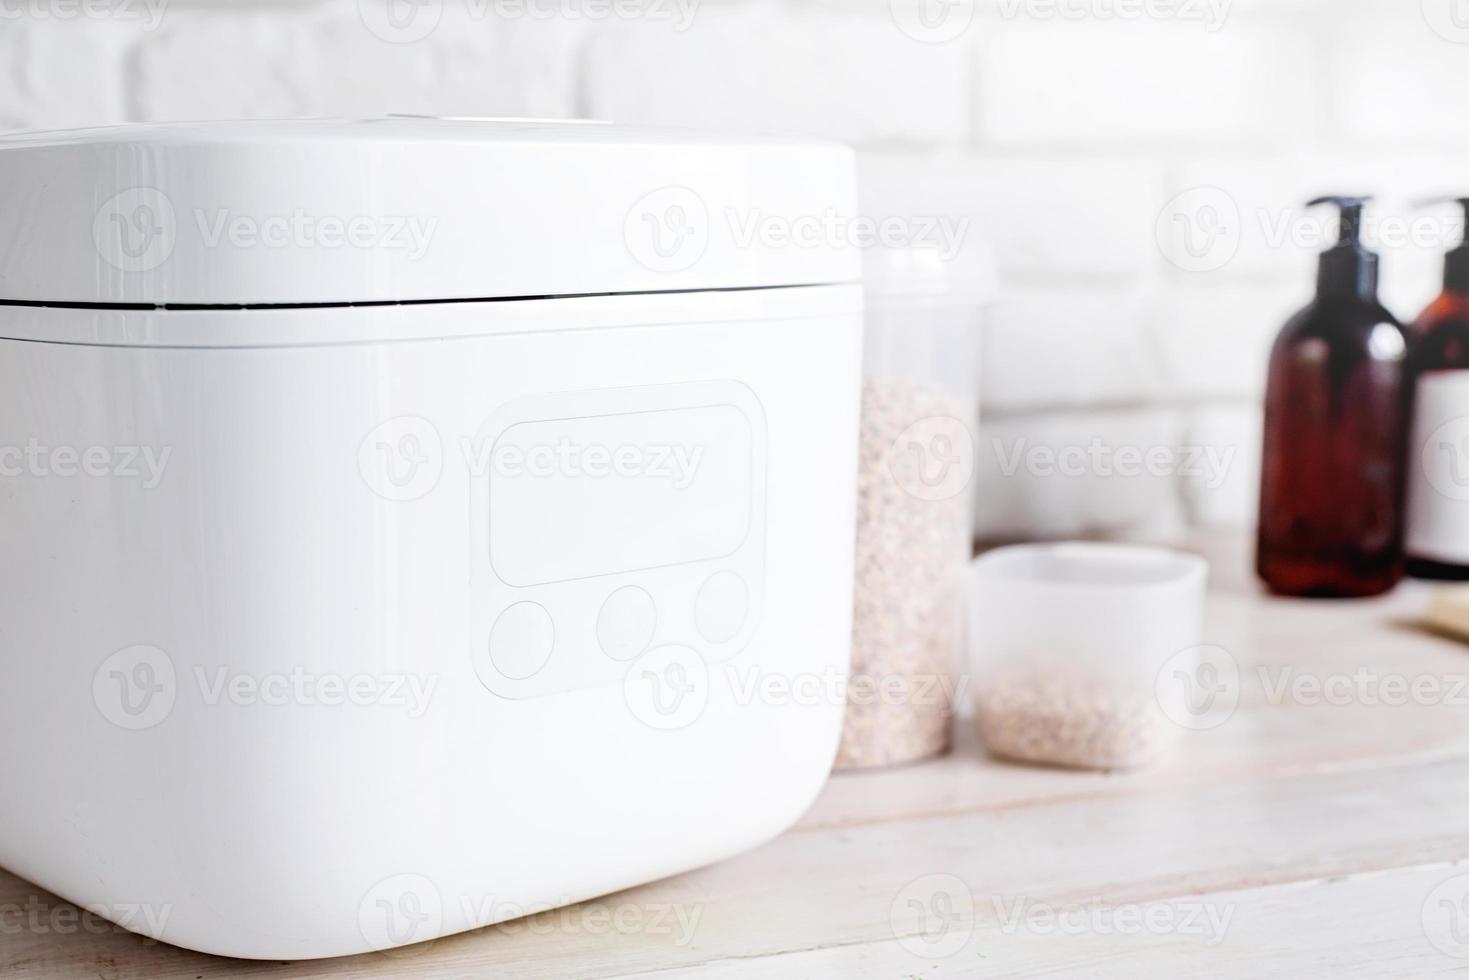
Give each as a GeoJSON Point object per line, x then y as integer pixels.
{"type": "Point", "coordinates": [1085, 142]}
{"type": "Point", "coordinates": [59, 74]}
{"type": "Point", "coordinates": [765, 66]}
{"type": "Point", "coordinates": [1114, 83]}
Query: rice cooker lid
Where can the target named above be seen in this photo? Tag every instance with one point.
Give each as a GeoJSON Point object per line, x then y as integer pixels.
{"type": "Point", "coordinates": [290, 212]}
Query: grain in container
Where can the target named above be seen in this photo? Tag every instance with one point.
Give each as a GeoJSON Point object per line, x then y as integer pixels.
{"type": "Point", "coordinates": [400, 513]}
{"type": "Point", "coordinates": [920, 415]}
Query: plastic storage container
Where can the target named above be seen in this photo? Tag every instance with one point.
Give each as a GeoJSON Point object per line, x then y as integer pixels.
{"type": "Point", "coordinates": [491, 470]}
{"type": "Point", "coordinates": [920, 415]}
{"type": "Point", "coordinates": [1068, 643]}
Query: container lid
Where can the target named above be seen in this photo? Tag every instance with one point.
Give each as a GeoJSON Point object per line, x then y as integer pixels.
{"type": "Point", "coordinates": [961, 273]}
{"type": "Point", "coordinates": [288, 212]}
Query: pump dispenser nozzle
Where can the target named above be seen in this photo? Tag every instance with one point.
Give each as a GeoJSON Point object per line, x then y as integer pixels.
{"type": "Point", "coordinates": [1456, 261]}
{"type": "Point", "coordinates": [1347, 268]}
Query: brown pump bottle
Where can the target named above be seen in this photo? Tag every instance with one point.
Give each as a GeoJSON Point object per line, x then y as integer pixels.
{"type": "Point", "coordinates": [1332, 475]}
{"type": "Point", "coordinates": [1437, 543]}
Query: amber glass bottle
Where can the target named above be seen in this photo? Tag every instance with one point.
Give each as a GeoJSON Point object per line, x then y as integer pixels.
{"type": "Point", "coordinates": [1438, 450]}
{"type": "Point", "coordinates": [1331, 491]}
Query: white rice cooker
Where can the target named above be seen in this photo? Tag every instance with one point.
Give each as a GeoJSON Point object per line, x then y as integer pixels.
{"type": "Point", "coordinates": [412, 523]}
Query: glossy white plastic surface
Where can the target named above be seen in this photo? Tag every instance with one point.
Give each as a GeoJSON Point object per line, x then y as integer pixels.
{"type": "Point", "coordinates": [291, 672]}
{"type": "Point", "coordinates": [399, 209]}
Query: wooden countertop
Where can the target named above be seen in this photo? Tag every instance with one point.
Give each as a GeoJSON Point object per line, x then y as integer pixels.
{"type": "Point", "coordinates": [1320, 832]}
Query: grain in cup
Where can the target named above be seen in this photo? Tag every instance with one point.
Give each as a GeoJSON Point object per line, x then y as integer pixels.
{"type": "Point", "coordinates": [1068, 641]}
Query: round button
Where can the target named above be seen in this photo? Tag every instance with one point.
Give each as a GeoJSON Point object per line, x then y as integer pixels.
{"type": "Point", "coordinates": [722, 606]}
{"type": "Point", "coordinates": [625, 624]}
{"type": "Point", "coordinates": [521, 640]}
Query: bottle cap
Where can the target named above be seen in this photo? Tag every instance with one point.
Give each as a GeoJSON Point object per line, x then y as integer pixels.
{"type": "Point", "coordinates": [1347, 268]}
{"type": "Point", "coordinates": [1456, 260]}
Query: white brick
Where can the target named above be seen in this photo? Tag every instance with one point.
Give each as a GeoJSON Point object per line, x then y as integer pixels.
{"type": "Point", "coordinates": [1394, 78]}
{"type": "Point", "coordinates": [854, 77]}
{"type": "Point", "coordinates": [325, 61]}
{"type": "Point", "coordinates": [1024, 493]}
{"type": "Point", "coordinates": [263, 55]}
{"type": "Point", "coordinates": [1214, 342]}
{"type": "Point", "coordinates": [1206, 14]}
{"type": "Point", "coordinates": [480, 66]}
{"type": "Point", "coordinates": [1068, 347]}
{"type": "Point", "coordinates": [1098, 82]}
{"type": "Point", "coordinates": [1091, 216]}
{"type": "Point", "coordinates": [1223, 489]}
{"type": "Point", "coordinates": [64, 74]}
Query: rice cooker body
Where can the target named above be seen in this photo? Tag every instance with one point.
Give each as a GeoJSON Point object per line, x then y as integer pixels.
{"type": "Point", "coordinates": [339, 626]}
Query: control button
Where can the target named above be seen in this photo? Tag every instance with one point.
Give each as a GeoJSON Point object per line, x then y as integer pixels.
{"type": "Point", "coordinates": [722, 607]}
{"type": "Point", "coordinates": [521, 640]}
{"type": "Point", "coordinates": [625, 624]}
